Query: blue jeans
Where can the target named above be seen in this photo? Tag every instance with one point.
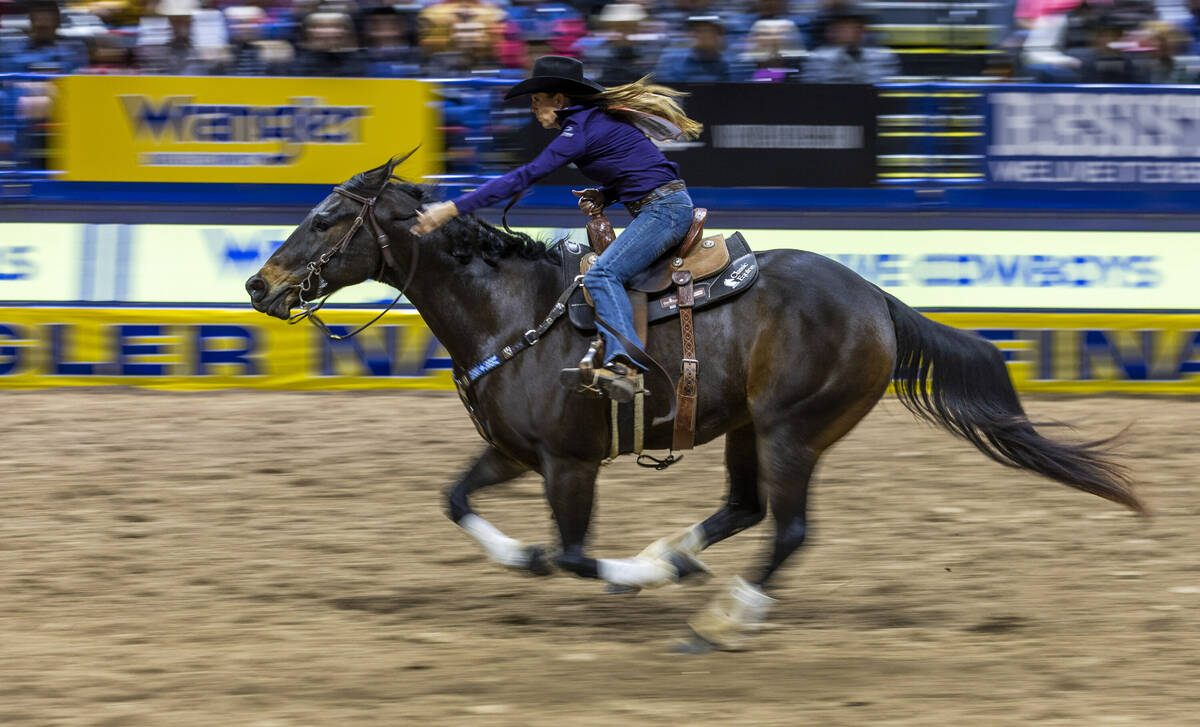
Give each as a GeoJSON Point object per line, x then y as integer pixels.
{"type": "Point", "coordinates": [658, 227]}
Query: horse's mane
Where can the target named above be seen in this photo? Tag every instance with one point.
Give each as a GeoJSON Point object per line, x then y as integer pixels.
{"type": "Point", "coordinates": [470, 237]}
{"type": "Point", "coordinates": [466, 237]}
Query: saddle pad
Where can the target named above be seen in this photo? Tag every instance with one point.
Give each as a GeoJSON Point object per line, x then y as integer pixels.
{"type": "Point", "coordinates": [736, 277]}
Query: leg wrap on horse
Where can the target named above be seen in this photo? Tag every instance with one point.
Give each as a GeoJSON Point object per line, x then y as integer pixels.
{"type": "Point", "coordinates": [636, 572]}
{"type": "Point", "coordinates": [500, 548]}
{"type": "Point", "coordinates": [689, 541]}
{"type": "Point", "coordinates": [732, 615]}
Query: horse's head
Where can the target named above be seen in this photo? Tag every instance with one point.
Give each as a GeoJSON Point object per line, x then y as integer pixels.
{"type": "Point", "coordinates": [334, 247]}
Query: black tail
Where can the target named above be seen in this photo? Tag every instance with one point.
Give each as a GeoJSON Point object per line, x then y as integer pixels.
{"type": "Point", "coordinates": [959, 380]}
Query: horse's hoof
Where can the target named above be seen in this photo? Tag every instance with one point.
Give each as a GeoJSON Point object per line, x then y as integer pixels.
{"type": "Point", "coordinates": [539, 563]}
{"type": "Point", "coordinates": [688, 568]}
{"type": "Point", "coordinates": [693, 644]}
{"type": "Point", "coordinates": [614, 589]}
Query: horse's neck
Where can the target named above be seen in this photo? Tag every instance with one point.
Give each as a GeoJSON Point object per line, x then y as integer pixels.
{"type": "Point", "coordinates": [474, 310]}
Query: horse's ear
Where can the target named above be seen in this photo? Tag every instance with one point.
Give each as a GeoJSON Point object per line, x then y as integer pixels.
{"type": "Point", "coordinates": [397, 161]}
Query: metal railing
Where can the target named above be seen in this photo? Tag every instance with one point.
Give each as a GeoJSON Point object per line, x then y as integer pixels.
{"type": "Point", "coordinates": [931, 133]}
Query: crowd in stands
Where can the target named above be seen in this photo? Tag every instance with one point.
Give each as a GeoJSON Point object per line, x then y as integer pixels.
{"type": "Point", "coordinates": [815, 41]}
{"type": "Point", "coordinates": [678, 41]}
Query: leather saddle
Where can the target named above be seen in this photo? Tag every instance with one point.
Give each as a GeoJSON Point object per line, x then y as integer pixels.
{"type": "Point", "coordinates": [703, 271]}
{"type": "Point", "coordinates": [721, 268]}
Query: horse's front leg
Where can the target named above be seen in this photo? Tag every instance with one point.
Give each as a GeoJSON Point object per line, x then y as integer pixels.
{"type": "Point", "coordinates": [571, 491]}
{"type": "Point", "coordinates": [492, 468]}
{"type": "Point", "coordinates": [743, 507]}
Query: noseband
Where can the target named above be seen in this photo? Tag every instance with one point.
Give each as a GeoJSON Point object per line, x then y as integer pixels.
{"type": "Point", "coordinates": [313, 284]}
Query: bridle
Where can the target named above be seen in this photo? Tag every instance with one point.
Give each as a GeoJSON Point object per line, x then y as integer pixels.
{"type": "Point", "coordinates": [313, 283]}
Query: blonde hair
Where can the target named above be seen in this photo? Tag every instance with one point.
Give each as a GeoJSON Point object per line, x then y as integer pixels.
{"type": "Point", "coordinates": [648, 98]}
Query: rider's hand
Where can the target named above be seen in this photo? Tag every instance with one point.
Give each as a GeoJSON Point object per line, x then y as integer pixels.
{"type": "Point", "coordinates": [591, 201]}
{"type": "Point", "coordinates": [433, 217]}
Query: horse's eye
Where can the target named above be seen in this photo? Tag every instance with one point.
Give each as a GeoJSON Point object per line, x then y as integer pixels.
{"type": "Point", "coordinates": [320, 224]}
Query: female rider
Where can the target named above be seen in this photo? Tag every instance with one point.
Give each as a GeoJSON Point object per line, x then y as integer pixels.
{"type": "Point", "coordinates": [599, 138]}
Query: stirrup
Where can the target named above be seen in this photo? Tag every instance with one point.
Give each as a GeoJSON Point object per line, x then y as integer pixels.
{"type": "Point", "coordinates": [615, 381]}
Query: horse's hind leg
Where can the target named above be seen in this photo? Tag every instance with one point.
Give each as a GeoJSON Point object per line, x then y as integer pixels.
{"type": "Point", "coordinates": [492, 468]}
{"type": "Point", "coordinates": [786, 466]}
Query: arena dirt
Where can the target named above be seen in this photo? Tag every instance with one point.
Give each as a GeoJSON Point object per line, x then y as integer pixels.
{"type": "Point", "coordinates": [218, 559]}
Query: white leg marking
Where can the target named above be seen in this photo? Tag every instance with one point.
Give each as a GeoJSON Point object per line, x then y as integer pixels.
{"type": "Point", "coordinates": [732, 614]}
{"type": "Point", "coordinates": [749, 605]}
{"type": "Point", "coordinates": [502, 549]}
{"type": "Point", "coordinates": [638, 572]}
{"type": "Point", "coordinates": [689, 541]}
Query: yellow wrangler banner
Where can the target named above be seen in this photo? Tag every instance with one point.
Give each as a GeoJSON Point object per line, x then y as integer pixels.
{"type": "Point", "coordinates": [197, 349]}
{"type": "Point", "coordinates": [242, 130]}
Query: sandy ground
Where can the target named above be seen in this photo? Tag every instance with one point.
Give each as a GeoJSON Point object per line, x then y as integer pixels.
{"type": "Point", "coordinates": [204, 559]}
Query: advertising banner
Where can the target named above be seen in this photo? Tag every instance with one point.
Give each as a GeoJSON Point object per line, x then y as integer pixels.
{"type": "Point", "coordinates": [764, 135]}
{"type": "Point", "coordinates": [197, 349]}
{"type": "Point", "coordinates": [948, 269]}
{"type": "Point", "coordinates": [242, 130]}
{"type": "Point", "coordinates": [1094, 137]}
{"type": "Point", "coordinates": [201, 349]}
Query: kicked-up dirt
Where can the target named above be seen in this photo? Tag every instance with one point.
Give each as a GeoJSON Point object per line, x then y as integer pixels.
{"type": "Point", "coordinates": [209, 559]}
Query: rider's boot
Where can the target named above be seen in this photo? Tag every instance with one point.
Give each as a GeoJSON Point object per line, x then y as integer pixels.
{"type": "Point", "coordinates": [617, 380]}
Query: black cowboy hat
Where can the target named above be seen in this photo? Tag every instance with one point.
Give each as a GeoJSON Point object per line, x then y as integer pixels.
{"type": "Point", "coordinates": [852, 14]}
{"type": "Point", "coordinates": [558, 74]}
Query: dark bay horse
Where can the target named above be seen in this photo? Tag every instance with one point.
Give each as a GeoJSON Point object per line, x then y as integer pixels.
{"type": "Point", "coordinates": [789, 367]}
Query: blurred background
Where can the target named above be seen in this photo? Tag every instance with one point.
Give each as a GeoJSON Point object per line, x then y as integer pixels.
{"type": "Point", "coordinates": [1028, 170]}
{"type": "Point", "coordinates": [1024, 168]}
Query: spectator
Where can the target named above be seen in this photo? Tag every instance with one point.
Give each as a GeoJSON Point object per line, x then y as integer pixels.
{"type": "Point", "coordinates": [847, 59]}
{"type": "Point", "coordinates": [1188, 21]}
{"type": "Point", "coordinates": [511, 49]}
{"type": "Point", "coordinates": [177, 56]}
{"type": "Point", "coordinates": [771, 10]}
{"type": "Point", "coordinates": [329, 47]}
{"type": "Point", "coordinates": [1103, 61]}
{"type": "Point", "coordinates": [565, 34]}
{"type": "Point", "coordinates": [471, 52]}
{"type": "Point", "coordinates": [1061, 31]}
{"type": "Point", "coordinates": [1167, 43]}
{"type": "Point", "coordinates": [207, 31]}
{"type": "Point", "coordinates": [619, 52]}
{"type": "Point", "coordinates": [774, 50]}
{"type": "Point", "coordinates": [248, 54]}
{"type": "Point", "coordinates": [389, 52]}
{"type": "Point", "coordinates": [41, 50]}
{"type": "Point", "coordinates": [818, 25]}
{"type": "Point", "coordinates": [441, 22]}
{"type": "Point", "coordinates": [109, 54]}
{"type": "Point", "coordinates": [538, 18]}
{"type": "Point", "coordinates": [703, 61]}
{"type": "Point", "coordinates": [113, 14]}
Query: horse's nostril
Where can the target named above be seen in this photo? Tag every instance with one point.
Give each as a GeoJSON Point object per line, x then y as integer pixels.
{"type": "Point", "coordinates": [256, 287]}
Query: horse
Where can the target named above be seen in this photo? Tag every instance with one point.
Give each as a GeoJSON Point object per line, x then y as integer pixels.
{"type": "Point", "coordinates": [791, 365]}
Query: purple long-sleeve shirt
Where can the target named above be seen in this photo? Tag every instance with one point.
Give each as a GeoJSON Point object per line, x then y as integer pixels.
{"type": "Point", "coordinates": [606, 149]}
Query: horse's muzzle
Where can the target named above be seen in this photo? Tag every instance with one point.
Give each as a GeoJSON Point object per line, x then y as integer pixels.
{"type": "Point", "coordinates": [257, 288]}
{"type": "Point", "coordinates": [278, 304]}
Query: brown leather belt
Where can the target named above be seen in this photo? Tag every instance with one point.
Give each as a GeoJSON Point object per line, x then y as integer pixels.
{"type": "Point", "coordinates": [655, 194]}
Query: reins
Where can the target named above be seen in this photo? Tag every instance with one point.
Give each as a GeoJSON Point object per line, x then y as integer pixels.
{"type": "Point", "coordinates": [314, 283]}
